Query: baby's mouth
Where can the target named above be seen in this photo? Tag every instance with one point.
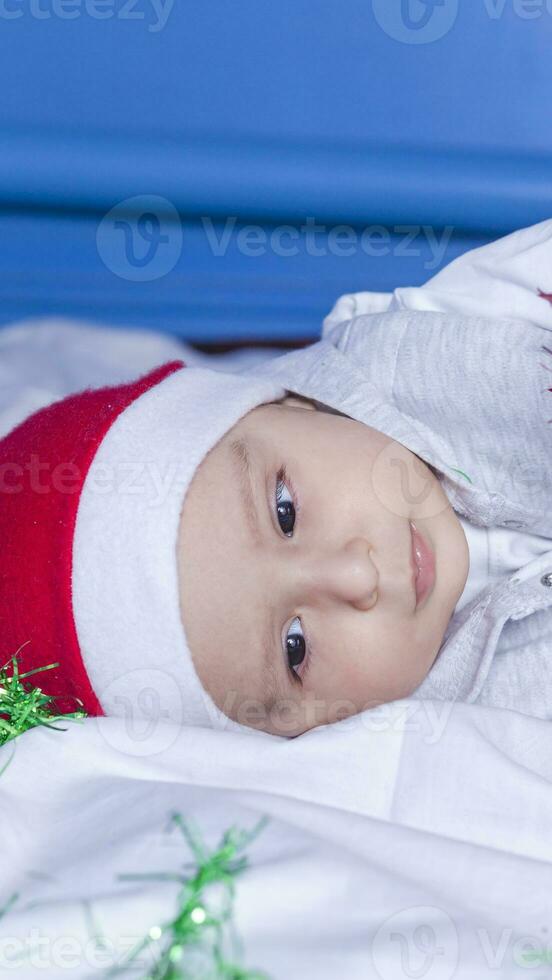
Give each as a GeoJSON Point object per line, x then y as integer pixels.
{"type": "Point", "coordinates": [423, 565]}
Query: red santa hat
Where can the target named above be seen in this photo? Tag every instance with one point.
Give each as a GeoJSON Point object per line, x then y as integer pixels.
{"type": "Point", "coordinates": [91, 492]}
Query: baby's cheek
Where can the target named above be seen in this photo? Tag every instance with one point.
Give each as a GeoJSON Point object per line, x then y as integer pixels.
{"type": "Point", "coordinates": [415, 665]}
{"type": "Point", "coordinates": [403, 485]}
{"type": "Point", "coordinates": [382, 663]}
{"type": "Point", "coordinates": [364, 679]}
{"type": "Point", "coordinates": [390, 670]}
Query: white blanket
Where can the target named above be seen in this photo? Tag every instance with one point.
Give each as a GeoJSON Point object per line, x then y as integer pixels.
{"type": "Point", "coordinates": [412, 840]}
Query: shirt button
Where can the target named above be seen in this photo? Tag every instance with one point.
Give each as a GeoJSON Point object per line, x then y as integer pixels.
{"type": "Point", "coordinates": [547, 579]}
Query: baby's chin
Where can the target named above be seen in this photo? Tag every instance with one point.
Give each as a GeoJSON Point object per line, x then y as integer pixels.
{"type": "Point", "coordinates": [451, 552]}
{"type": "Point", "coordinates": [453, 560]}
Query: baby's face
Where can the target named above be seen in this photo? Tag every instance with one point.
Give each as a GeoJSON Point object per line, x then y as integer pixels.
{"type": "Point", "coordinates": [296, 584]}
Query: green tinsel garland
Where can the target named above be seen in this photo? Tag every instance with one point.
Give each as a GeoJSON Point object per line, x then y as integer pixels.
{"type": "Point", "coordinates": [196, 929]}
{"type": "Point", "coordinates": [23, 706]}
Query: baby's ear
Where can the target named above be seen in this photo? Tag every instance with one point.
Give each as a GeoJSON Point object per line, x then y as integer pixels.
{"type": "Point", "coordinates": [297, 401]}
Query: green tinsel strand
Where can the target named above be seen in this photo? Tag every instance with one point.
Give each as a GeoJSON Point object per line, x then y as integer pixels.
{"type": "Point", "coordinates": [461, 473]}
{"type": "Point", "coordinates": [11, 901]}
{"type": "Point", "coordinates": [194, 926]}
{"type": "Point", "coordinates": [24, 706]}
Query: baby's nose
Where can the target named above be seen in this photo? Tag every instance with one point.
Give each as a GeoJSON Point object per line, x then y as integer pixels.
{"type": "Point", "coordinates": [348, 573]}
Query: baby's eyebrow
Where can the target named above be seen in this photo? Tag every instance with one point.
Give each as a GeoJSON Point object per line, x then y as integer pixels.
{"type": "Point", "coordinates": [273, 687]}
{"type": "Point", "coordinates": [273, 690]}
{"type": "Point", "coordinates": [241, 461]}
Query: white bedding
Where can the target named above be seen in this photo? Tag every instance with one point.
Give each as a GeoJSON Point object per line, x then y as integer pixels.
{"type": "Point", "coordinates": [413, 840]}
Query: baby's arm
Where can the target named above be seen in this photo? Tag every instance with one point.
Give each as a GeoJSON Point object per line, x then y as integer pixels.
{"type": "Point", "coordinates": [354, 304]}
{"type": "Point", "coordinates": [510, 277]}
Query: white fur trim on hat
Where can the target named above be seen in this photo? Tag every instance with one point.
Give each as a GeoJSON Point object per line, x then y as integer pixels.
{"type": "Point", "coordinates": [125, 573]}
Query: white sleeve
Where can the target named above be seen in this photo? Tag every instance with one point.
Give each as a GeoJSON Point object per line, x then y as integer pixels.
{"type": "Point", "coordinates": [354, 304]}
{"type": "Point", "coordinates": [509, 277]}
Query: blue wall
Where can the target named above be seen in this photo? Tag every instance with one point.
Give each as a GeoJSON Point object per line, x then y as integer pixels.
{"type": "Point", "coordinates": [411, 123]}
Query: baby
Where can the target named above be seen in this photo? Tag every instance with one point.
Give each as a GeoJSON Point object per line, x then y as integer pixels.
{"type": "Point", "coordinates": [362, 520]}
{"type": "Point", "coordinates": [390, 528]}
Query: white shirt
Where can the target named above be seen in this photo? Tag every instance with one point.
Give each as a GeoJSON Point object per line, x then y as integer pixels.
{"type": "Point", "coordinates": [496, 553]}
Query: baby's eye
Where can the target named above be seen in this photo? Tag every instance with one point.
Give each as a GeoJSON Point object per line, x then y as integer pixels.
{"type": "Point", "coordinates": [285, 508]}
{"type": "Point", "coordinates": [295, 644]}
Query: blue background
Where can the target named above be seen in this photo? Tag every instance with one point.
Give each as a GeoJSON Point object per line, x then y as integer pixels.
{"type": "Point", "coordinates": [267, 114]}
